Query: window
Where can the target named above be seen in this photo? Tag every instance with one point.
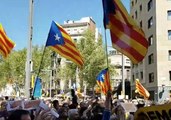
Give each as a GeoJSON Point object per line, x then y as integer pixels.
{"type": "Point", "coordinates": [151, 59]}
{"type": "Point", "coordinates": [135, 14]}
{"type": "Point", "coordinates": [112, 52]}
{"type": "Point", "coordinates": [170, 75]}
{"type": "Point", "coordinates": [127, 61]}
{"type": "Point", "coordinates": [141, 75]}
{"type": "Point", "coordinates": [151, 77]}
{"type": "Point", "coordinates": [135, 1]}
{"type": "Point", "coordinates": [150, 22]}
{"type": "Point", "coordinates": [169, 14]}
{"type": "Point", "coordinates": [132, 16]}
{"type": "Point", "coordinates": [75, 39]}
{"type": "Point", "coordinates": [169, 34]}
{"type": "Point", "coordinates": [132, 3]}
{"type": "Point", "coordinates": [140, 7]}
{"type": "Point", "coordinates": [133, 78]}
{"type": "Point", "coordinates": [150, 5]}
{"type": "Point", "coordinates": [150, 40]}
{"type": "Point", "coordinates": [169, 52]}
{"type": "Point", "coordinates": [141, 24]}
{"type": "Point", "coordinates": [128, 74]}
{"type": "Point", "coordinates": [137, 75]}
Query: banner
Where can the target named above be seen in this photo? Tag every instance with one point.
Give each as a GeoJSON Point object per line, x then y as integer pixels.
{"type": "Point", "coordinates": [158, 112]}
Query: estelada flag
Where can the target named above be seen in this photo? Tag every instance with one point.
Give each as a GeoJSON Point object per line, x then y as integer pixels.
{"type": "Point", "coordinates": [103, 80]}
{"type": "Point", "coordinates": [61, 42]}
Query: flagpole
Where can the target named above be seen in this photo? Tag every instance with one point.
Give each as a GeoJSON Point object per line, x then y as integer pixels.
{"type": "Point", "coordinates": [29, 52]}
{"type": "Point", "coordinates": [107, 55]}
{"type": "Point", "coordinates": [38, 71]}
{"type": "Point", "coordinates": [123, 79]}
{"type": "Point", "coordinates": [41, 61]}
{"type": "Point", "coordinates": [106, 50]}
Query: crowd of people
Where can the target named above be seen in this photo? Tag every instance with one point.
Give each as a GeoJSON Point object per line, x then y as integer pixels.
{"type": "Point", "coordinates": [90, 109]}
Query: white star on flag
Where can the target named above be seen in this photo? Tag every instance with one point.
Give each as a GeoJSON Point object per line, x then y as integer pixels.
{"type": "Point", "coordinates": [57, 37]}
{"type": "Point", "coordinates": [103, 76]}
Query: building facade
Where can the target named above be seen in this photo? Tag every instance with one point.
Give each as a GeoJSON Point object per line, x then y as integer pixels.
{"type": "Point", "coordinates": [154, 72]}
{"type": "Point", "coordinates": [77, 28]}
{"type": "Point", "coordinates": [115, 59]}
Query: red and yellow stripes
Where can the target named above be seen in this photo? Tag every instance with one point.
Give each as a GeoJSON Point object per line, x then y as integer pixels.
{"type": "Point", "coordinates": [107, 82]}
{"type": "Point", "coordinates": [141, 90]}
{"type": "Point", "coordinates": [105, 85]}
{"type": "Point", "coordinates": [126, 36]}
{"type": "Point", "coordinates": [6, 45]}
{"type": "Point", "coordinates": [68, 50]}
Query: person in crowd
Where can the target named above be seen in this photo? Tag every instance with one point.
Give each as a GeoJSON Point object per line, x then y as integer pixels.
{"type": "Point", "coordinates": [83, 107]}
{"type": "Point", "coordinates": [25, 115]}
{"type": "Point", "coordinates": [73, 114]}
{"type": "Point", "coordinates": [20, 115]}
{"type": "Point", "coordinates": [4, 109]}
{"type": "Point", "coordinates": [6, 98]}
{"type": "Point", "coordinates": [74, 97]}
{"type": "Point", "coordinates": [44, 115]}
{"type": "Point", "coordinates": [97, 112]}
{"type": "Point", "coordinates": [55, 106]}
{"type": "Point", "coordinates": [107, 111]}
{"type": "Point", "coordinates": [63, 113]}
{"type": "Point", "coordinates": [48, 103]}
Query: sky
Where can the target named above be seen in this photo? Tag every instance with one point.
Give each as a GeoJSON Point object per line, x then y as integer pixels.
{"type": "Point", "coordinates": [14, 16]}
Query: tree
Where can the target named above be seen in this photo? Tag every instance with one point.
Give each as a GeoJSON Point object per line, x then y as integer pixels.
{"type": "Point", "coordinates": [94, 58]}
{"type": "Point", "coordinates": [13, 68]}
{"type": "Point", "coordinates": [93, 53]}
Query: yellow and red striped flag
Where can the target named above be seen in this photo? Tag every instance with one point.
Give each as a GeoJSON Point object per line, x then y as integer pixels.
{"type": "Point", "coordinates": [141, 90]}
{"type": "Point", "coordinates": [126, 36]}
{"type": "Point", "coordinates": [6, 44]}
{"type": "Point", "coordinates": [61, 42]}
{"type": "Point", "coordinates": [103, 80]}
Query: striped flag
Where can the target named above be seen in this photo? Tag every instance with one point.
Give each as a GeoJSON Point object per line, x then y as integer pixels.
{"type": "Point", "coordinates": [6, 44]}
{"type": "Point", "coordinates": [141, 90]}
{"type": "Point", "coordinates": [126, 36]}
{"type": "Point", "coordinates": [103, 81]}
{"type": "Point", "coordinates": [60, 41]}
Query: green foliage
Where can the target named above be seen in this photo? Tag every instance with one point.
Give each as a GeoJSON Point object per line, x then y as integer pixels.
{"type": "Point", "coordinates": [37, 59]}
{"type": "Point", "coordinates": [12, 69]}
{"type": "Point", "coordinates": [67, 71]}
{"type": "Point", "coordinates": [94, 58]}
